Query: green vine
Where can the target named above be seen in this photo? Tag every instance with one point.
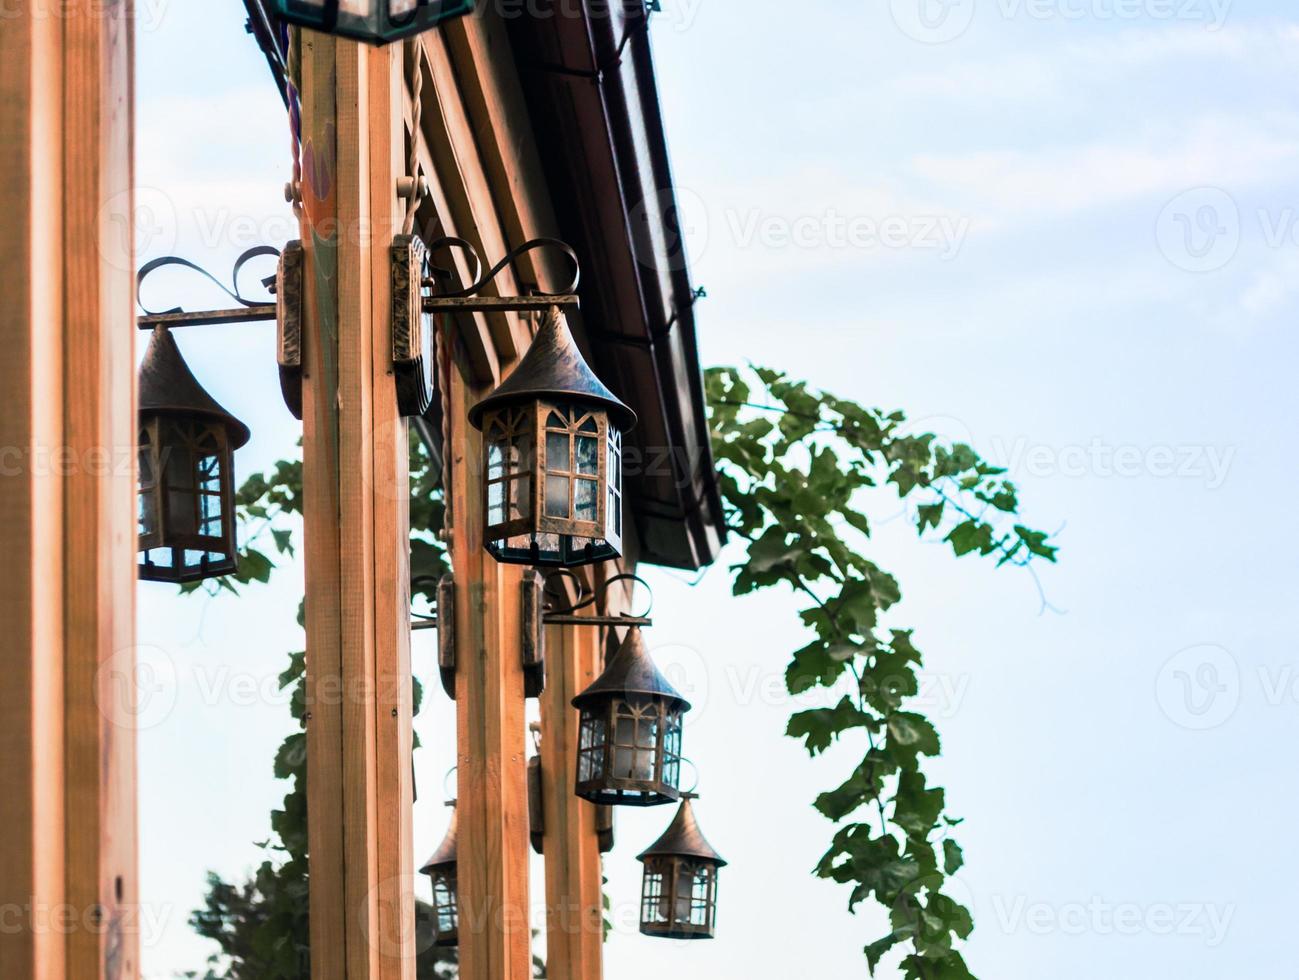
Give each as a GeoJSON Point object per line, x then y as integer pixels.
{"type": "Point", "coordinates": [794, 465]}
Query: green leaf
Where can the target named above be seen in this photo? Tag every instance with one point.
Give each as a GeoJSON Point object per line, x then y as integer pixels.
{"type": "Point", "coordinates": [820, 727]}
{"type": "Point", "coordinates": [929, 515]}
{"type": "Point", "coordinates": [953, 858]}
{"type": "Point", "coordinates": [914, 732]}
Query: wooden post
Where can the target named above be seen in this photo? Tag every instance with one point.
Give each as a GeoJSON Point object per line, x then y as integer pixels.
{"type": "Point", "coordinates": [68, 880]}
{"type": "Point", "coordinates": [491, 735]}
{"type": "Point", "coordinates": [574, 895]}
{"type": "Point", "coordinates": [355, 480]}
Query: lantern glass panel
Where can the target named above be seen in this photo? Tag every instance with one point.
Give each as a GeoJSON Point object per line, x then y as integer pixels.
{"type": "Point", "coordinates": [672, 748]}
{"type": "Point", "coordinates": [635, 741]}
{"type": "Point", "coordinates": [591, 751]}
{"type": "Point", "coordinates": [509, 468]}
{"type": "Point", "coordinates": [445, 912]}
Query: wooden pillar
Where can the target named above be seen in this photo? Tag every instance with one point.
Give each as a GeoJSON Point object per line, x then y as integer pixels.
{"type": "Point", "coordinates": [356, 489]}
{"type": "Point", "coordinates": [574, 895]}
{"type": "Point", "coordinates": [68, 880]}
{"type": "Point", "coordinates": [495, 936]}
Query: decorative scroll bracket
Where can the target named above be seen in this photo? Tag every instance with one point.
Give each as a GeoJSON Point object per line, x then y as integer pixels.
{"type": "Point", "coordinates": [470, 300]}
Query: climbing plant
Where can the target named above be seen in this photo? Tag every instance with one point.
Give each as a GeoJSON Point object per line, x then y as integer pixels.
{"type": "Point", "coordinates": [796, 467]}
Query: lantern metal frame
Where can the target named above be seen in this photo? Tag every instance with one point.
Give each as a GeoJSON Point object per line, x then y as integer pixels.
{"type": "Point", "coordinates": [441, 869]}
{"type": "Point", "coordinates": [679, 886]}
{"type": "Point", "coordinates": [186, 489]}
{"type": "Point", "coordinates": [380, 25]}
{"type": "Point", "coordinates": [630, 732]}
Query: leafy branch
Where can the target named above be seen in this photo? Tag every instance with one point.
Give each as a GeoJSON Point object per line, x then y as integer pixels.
{"type": "Point", "coordinates": [794, 466]}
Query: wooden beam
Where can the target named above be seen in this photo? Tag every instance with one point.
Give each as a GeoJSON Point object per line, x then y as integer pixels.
{"type": "Point", "coordinates": [100, 411]}
{"type": "Point", "coordinates": [574, 906]}
{"type": "Point", "coordinates": [395, 741]}
{"type": "Point", "coordinates": [491, 732]}
{"type": "Point", "coordinates": [357, 525]}
{"type": "Point", "coordinates": [67, 526]}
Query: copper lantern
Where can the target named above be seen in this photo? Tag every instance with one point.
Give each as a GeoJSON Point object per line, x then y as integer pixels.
{"type": "Point", "coordinates": [629, 742]}
{"type": "Point", "coordinates": [186, 492]}
{"type": "Point", "coordinates": [372, 21]}
{"type": "Point", "coordinates": [679, 891]}
{"type": "Point", "coordinates": [441, 869]}
{"type": "Point", "coordinates": [552, 444]}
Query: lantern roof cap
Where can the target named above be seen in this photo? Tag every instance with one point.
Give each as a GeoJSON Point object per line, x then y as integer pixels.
{"type": "Point", "coordinates": [554, 368]}
{"type": "Point", "coordinates": [168, 387]}
{"type": "Point", "coordinates": [683, 838]}
{"type": "Point", "coordinates": [445, 855]}
{"type": "Point", "coordinates": [631, 670]}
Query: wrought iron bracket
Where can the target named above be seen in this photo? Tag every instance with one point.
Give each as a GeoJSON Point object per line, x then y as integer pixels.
{"type": "Point", "coordinates": [470, 298]}
{"type": "Point", "coordinates": [248, 310]}
{"type": "Point", "coordinates": [557, 613]}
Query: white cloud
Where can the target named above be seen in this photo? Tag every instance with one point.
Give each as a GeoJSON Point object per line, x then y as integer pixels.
{"type": "Point", "coordinates": [1225, 152]}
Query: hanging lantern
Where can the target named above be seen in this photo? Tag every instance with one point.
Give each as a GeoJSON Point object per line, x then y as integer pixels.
{"type": "Point", "coordinates": [187, 497]}
{"type": "Point", "coordinates": [373, 21]}
{"type": "Point", "coordinates": [629, 742]}
{"type": "Point", "coordinates": [552, 442]}
{"type": "Point", "coordinates": [441, 869]}
{"type": "Point", "coordinates": [679, 891]}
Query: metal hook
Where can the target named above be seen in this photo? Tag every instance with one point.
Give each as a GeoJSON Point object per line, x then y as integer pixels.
{"type": "Point", "coordinates": [691, 793]}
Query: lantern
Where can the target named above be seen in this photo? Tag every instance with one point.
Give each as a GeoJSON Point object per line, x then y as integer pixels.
{"type": "Point", "coordinates": [552, 442]}
{"type": "Point", "coordinates": [186, 492]}
{"type": "Point", "coordinates": [629, 740]}
{"type": "Point", "coordinates": [679, 891]}
{"type": "Point", "coordinates": [441, 869]}
{"type": "Point", "coordinates": [373, 21]}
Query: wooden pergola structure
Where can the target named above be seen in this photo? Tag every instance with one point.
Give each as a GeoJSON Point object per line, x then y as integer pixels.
{"type": "Point", "coordinates": [527, 127]}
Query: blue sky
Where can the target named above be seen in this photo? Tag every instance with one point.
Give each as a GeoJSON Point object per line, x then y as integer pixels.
{"type": "Point", "coordinates": [1066, 231]}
